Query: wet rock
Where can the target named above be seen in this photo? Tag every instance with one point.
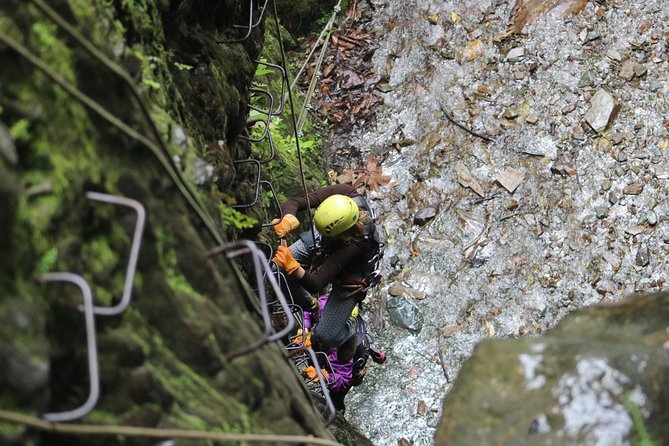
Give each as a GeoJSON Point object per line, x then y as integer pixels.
{"type": "Point", "coordinates": [202, 171]}
{"type": "Point", "coordinates": [633, 189]}
{"type": "Point", "coordinates": [603, 110]}
{"type": "Point", "coordinates": [606, 184]}
{"type": "Point", "coordinates": [642, 255]}
{"type": "Point", "coordinates": [25, 375]}
{"type": "Point", "coordinates": [516, 54]}
{"type": "Point", "coordinates": [404, 314]}
{"type": "Point", "coordinates": [618, 154]}
{"type": "Point", "coordinates": [614, 55]}
{"type": "Point", "coordinates": [424, 215]}
{"type": "Point", "coordinates": [651, 218]}
{"type": "Point", "coordinates": [587, 80]}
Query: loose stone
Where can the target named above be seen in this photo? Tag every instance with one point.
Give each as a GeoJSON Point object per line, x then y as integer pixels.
{"type": "Point", "coordinates": [643, 255]}
{"type": "Point", "coordinates": [603, 110]}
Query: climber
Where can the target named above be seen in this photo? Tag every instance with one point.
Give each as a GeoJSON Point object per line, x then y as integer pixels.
{"type": "Point", "coordinates": [345, 254]}
{"type": "Point", "coordinates": [345, 373]}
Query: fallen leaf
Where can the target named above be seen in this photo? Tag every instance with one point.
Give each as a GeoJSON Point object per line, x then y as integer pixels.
{"type": "Point", "coordinates": [447, 332]}
{"type": "Point", "coordinates": [491, 329]}
{"type": "Point", "coordinates": [433, 19]}
{"type": "Point", "coordinates": [510, 178]}
{"type": "Point", "coordinates": [466, 180]}
{"type": "Point", "coordinates": [454, 17]}
{"type": "Point", "coordinates": [422, 408]}
{"type": "Point", "coordinates": [527, 11]}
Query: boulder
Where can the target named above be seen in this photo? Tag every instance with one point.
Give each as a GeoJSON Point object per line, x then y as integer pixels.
{"type": "Point", "coordinates": [600, 377]}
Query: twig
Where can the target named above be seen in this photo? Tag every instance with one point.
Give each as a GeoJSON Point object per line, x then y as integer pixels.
{"type": "Point", "coordinates": [485, 230]}
{"type": "Point", "coordinates": [463, 127]}
{"type": "Point", "coordinates": [442, 362]}
{"type": "Point", "coordinates": [134, 431]}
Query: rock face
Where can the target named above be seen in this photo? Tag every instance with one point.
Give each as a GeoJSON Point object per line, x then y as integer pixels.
{"type": "Point", "coordinates": [163, 361]}
{"type": "Point", "coordinates": [600, 377]}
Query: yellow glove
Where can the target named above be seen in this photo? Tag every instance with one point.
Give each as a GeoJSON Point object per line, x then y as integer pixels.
{"type": "Point", "coordinates": [286, 225]}
{"type": "Point", "coordinates": [284, 258]}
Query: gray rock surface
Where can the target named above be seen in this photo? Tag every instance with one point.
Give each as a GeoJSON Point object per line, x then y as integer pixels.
{"type": "Point", "coordinates": [599, 378]}
{"type": "Point", "coordinates": [546, 253]}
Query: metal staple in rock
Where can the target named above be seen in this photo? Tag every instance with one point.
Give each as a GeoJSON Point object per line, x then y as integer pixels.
{"type": "Point", "coordinates": [93, 375]}
{"type": "Point", "coordinates": [134, 250]}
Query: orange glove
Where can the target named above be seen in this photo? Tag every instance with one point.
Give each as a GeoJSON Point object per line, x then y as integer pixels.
{"type": "Point", "coordinates": [284, 258]}
{"type": "Point", "coordinates": [286, 225]}
{"type": "Point", "coordinates": [311, 373]}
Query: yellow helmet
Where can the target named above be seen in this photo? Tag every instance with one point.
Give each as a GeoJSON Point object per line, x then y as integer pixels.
{"type": "Point", "coordinates": [335, 215]}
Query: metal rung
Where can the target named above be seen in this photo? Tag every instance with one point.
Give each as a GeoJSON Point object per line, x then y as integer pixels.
{"type": "Point", "coordinates": [93, 375]}
{"type": "Point", "coordinates": [134, 250]}
{"type": "Point", "coordinates": [260, 266]}
{"type": "Point", "coordinates": [251, 25]}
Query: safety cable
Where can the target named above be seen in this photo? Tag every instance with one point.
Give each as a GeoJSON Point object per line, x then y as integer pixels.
{"type": "Point", "coordinates": [292, 115]}
{"type": "Point", "coordinates": [133, 431]}
{"type": "Point", "coordinates": [181, 183]}
{"type": "Point", "coordinates": [317, 70]}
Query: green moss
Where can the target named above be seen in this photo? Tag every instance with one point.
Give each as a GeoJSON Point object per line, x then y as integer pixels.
{"type": "Point", "coordinates": [98, 256]}
{"type": "Point", "coordinates": [101, 417]}
{"type": "Point", "coordinates": [167, 256]}
{"type": "Point", "coordinates": [235, 219]}
{"type": "Point", "coordinates": [47, 262]}
{"type": "Point", "coordinates": [19, 130]}
{"type": "Point", "coordinates": [11, 429]}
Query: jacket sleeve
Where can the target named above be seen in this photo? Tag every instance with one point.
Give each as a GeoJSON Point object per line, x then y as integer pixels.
{"type": "Point", "coordinates": [294, 205]}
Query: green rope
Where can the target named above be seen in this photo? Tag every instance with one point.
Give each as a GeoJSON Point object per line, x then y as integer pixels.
{"type": "Point", "coordinates": [133, 431]}
{"type": "Point", "coordinates": [326, 29]}
{"type": "Point", "coordinates": [292, 115]}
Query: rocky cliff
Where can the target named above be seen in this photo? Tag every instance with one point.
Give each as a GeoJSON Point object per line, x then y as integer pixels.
{"type": "Point", "coordinates": [139, 99]}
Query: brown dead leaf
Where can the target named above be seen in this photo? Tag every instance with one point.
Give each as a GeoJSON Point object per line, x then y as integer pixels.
{"type": "Point", "coordinates": [422, 408]}
{"type": "Point", "coordinates": [433, 19]}
{"type": "Point", "coordinates": [371, 176]}
{"type": "Point", "coordinates": [452, 330]}
{"type": "Point", "coordinates": [466, 180]}
{"type": "Point", "coordinates": [527, 11]}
